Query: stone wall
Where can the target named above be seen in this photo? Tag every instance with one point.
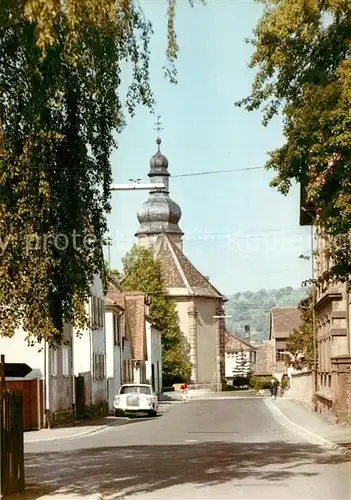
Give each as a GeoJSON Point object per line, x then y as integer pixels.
{"type": "Point", "coordinates": [341, 383]}
{"type": "Point", "coordinates": [301, 388]}
{"type": "Point", "coordinates": [61, 400]}
{"type": "Point", "coordinates": [264, 358]}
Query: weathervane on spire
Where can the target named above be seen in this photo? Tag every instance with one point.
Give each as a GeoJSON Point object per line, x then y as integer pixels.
{"type": "Point", "coordinates": [158, 127]}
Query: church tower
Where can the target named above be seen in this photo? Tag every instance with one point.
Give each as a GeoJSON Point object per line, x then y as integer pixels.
{"type": "Point", "coordinates": [159, 214]}
{"type": "Point", "coordinates": [198, 303]}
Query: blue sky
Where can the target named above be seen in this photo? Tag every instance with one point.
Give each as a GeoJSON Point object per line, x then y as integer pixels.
{"type": "Point", "coordinates": [238, 231]}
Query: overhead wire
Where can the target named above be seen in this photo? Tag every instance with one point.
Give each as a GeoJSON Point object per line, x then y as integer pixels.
{"type": "Point", "coordinates": [211, 172]}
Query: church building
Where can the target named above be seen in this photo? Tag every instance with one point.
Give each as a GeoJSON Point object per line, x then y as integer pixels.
{"type": "Point", "coordinates": [200, 306]}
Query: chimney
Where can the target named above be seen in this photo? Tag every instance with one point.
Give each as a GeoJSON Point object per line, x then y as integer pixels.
{"type": "Point", "coordinates": [207, 277]}
{"type": "Point", "coordinates": [247, 333]}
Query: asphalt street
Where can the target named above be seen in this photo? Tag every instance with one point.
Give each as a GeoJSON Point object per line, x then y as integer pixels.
{"type": "Point", "coordinates": [214, 449]}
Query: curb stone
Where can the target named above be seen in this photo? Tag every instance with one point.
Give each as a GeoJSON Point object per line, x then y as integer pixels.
{"type": "Point", "coordinates": [220, 398]}
{"type": "Point", "coordinates": [312, 437]}
{"type": "Point", "coordinates": [80, 434]}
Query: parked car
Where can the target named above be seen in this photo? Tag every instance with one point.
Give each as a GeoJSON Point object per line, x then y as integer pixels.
{"type": "Point", "coordinates": [135, 398]}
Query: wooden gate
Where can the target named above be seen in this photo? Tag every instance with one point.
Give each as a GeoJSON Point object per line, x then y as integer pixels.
{"type": "Point", "coordinates": [12, 453]}
{"type": "Point", "coordinates": [11, 438]}
{"type": "Point", "coordinates": [80, 397]}
{"type": "Point", "coordinates": [33, 402]}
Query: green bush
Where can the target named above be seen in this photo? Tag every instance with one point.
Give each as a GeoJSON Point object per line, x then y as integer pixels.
{"type": "Point", "coordinates": [284, 384]}
{"type": "Point", "coordinates": [258, 383]}
{"type": "Point", "coordinates": [241, 381]}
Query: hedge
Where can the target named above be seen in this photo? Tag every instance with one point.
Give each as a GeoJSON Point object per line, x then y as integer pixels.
{"type": "Point", "coordinates": [259, 383]}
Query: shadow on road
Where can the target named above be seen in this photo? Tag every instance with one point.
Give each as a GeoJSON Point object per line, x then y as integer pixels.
{"type": "Point", "coordinates": [119, 471]}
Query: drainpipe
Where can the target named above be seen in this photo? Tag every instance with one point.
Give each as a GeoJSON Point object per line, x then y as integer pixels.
{"type": "Point", "coordinates": [315, 344]}
{"type": "Point", "coordinates": [44, 390]}
{"type": "Point", "coordinates": [73, 377]}
{"type": "Point", "coordinates": [46, 387]}
{"type": "Point", "coordinates": [348, 316]}
{"type": "Point", "coordinates": [105, 369]}
{"type": "Point", "coordinates": [120, 347]}
{"type": "Point", "coordinates": [91, 367]}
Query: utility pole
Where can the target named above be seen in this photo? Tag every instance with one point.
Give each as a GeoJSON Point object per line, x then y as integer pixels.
{"type": "Point", "coordinates": [108, 243]}
{"type": "Point", "coordinates": [314, 332]}
{"type": "Point", "coordinates": [136, 186]}
{"type": "Point", "coordinates": [315, 345]}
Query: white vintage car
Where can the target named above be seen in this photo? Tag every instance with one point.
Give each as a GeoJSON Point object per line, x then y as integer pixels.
{"type": "Point", "coordinates": [135, 398]}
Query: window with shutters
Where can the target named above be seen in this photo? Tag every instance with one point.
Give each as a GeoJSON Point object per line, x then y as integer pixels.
{"type": "Point", "coordinates": [281, 353]}
{"type": "Point", "coordinates": [93, 311]}
{"type": "Point", "coordinates": [54, 362]}
{"type": "Point", "coordinates": [97, 321]}
{"type": "Point", "coordinates": [116, 329]}
{"type": "Point", "coordinates": [102, 313]}
{"type": "Point", "coordinates": [102, 367]}
{"type": "Point", "coordinates": [99, 301]}
{"type": "Point", "coordinates": [94, 366]}
{"type": "Point", "coordinates": [124, 371]}
{"type": "Point", "coordinates": [66, 361]}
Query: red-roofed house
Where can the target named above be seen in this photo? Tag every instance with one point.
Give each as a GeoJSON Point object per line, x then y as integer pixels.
{"type": "Point", "coordinates": [283, 321]}
{"type": "Point", "coordinates": [235, 347]}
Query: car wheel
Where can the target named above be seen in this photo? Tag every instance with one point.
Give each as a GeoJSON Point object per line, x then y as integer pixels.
{"type": "Point", "coordinates": [119, 413]}
{"type": "Point", "coordinates": [152, 413]}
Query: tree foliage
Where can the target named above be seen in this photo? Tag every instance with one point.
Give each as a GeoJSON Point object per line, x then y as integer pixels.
{"type": "Point", "coordinates": [302, 58]}
{"type": "Point", "coordinates": [300, 343]}
{"type": "Point", "coordinates": [142, 272]}
{"type": "Point", "coordinates": [60, 108]}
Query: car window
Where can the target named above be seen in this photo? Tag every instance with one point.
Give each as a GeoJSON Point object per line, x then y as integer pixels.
{"type": "Point", "coordinates": [145, 390]}
{"type": "Point", "coordinates": [135, 388]}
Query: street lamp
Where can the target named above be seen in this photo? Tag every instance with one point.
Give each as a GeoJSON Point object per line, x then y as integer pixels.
{"type": "Point", "coordinates": [314, 333]}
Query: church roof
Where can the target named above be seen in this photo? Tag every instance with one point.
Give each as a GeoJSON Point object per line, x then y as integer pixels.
{"type": "Point", "coordinates": [159, 214]}
{"type": "Point", "coordinates": [179, 272]}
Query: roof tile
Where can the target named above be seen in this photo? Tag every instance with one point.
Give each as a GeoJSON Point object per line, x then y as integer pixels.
{"type": "Point", "coordinates": [285, 320]}
{"type": "Point", "coordinates": [234, 343]}
{"type": "Point", "coordinates": [179, 272]}
{"type": "Point", "coordinates": [133, 319]}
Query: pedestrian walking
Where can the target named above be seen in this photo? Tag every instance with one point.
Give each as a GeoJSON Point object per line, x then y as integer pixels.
{"type": "Point", "coordinates": [274, 388]}
{"type": "Point", "coordinates": [184, 391]}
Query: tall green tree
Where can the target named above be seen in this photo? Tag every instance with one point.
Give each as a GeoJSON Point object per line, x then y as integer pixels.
{"type": "Point", "coordinates": [303, 71]}
{"type": "Point", "coordinates": [60, 110]}
{"type": "Point", "coordinates": [300, 343]}
{"type": "Point", "coordinates": [142, 272]}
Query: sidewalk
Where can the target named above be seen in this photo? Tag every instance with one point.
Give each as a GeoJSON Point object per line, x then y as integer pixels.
{"type": "Point", "coordinates": [74, 430]}
{"type": "Point", "coordinates": [312, 425]}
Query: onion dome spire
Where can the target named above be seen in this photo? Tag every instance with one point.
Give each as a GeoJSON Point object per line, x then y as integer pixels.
{"type": "Point", "coordinates": [159, 214]}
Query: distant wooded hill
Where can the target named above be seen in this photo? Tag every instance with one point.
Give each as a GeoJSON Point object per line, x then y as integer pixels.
{"type": "Point", "coordinates": [253, 308]}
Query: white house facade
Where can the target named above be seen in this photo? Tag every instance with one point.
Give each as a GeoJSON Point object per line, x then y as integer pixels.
{"type": "Point", "coordinates": [89, 355]}
{"type": "Point", "coordinates": [154, 356]}
{"type": "Point", "coordinates": [240, 357]}
{"type": "Point", "coordinates": [114, 359]}
{"type": "Point", "coordinates": [53, 395]}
